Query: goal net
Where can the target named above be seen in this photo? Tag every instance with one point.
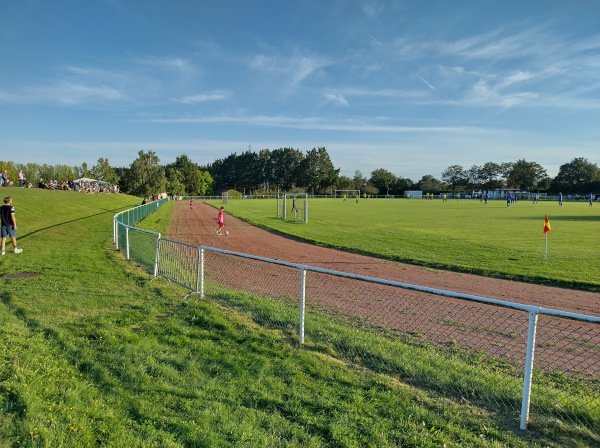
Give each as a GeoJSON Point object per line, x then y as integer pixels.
{"type": "Point", "coordinates": [293, 206]}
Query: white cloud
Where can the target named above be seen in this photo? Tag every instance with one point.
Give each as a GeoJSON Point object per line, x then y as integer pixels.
{"type": "Point", "coordinates": [169, 63]}
{"type": "Point", "coordinates": [217, 95]}
{"type": "Point", "coordinates": [291, 70]}
{"type": "Point", "coordinates": [65, 93]}
{"type": "Point", "coordinates": [336, 98]}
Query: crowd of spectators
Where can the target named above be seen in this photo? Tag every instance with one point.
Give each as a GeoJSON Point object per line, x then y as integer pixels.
{"type": "Point", "coordinates": [54, 185]}
{"type": "Point", "coordinates": [4, 180]}
{"type": "Point", "coordinates": [88, 186]}
{"type": "Point", "coordinates": [84, 186]}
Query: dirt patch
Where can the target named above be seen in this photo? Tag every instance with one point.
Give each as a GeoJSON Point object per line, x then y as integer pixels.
{"type": "Point", "coordinates": [19, 275]}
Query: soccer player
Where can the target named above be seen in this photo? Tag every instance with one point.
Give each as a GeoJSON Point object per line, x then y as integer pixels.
{"type": "Point", "coordinates": [221, 220]}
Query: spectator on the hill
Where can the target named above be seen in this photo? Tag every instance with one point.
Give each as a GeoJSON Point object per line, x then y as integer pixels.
{"type": "Point", "coordinates": [9, 225]}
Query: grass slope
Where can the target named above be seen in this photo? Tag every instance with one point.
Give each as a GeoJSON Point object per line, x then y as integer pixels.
{"type": "Point", "coordinates": [468, 236]}
{"type": "Point", "coordinates": [94, 354]}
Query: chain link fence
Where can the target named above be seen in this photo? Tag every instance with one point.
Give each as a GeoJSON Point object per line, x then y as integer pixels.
{"type": "Point", "coordinates": [535, 365]}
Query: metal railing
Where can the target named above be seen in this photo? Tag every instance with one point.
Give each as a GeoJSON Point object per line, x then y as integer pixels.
{"type": "Point", "coordinates": [415, 333]}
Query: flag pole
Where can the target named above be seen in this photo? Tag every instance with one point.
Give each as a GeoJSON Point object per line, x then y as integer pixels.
{"type": "Point", "coordinates": [546, 230]}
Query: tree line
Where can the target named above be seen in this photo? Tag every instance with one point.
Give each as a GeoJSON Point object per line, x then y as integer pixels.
{"type": "Point", "coordinates": [289, 169]}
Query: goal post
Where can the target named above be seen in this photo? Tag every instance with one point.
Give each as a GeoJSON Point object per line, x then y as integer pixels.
{"type": "Point", "coordinates": [293, 206]}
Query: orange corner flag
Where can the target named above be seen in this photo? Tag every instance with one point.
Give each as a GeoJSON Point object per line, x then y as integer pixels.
{"type": "Point", "coordinates": [546, 225]}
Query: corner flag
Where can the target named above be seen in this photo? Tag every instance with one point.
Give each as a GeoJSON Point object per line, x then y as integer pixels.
{"type": "Point", "coordinates": [546, 225]}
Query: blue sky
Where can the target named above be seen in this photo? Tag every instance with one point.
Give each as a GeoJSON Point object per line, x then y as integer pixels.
{"type": "Point", "coordinates": [410, 86]}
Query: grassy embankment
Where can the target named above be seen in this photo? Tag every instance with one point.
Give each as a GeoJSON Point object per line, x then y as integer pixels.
{"type": "Point", "coordinates": [94, 354]}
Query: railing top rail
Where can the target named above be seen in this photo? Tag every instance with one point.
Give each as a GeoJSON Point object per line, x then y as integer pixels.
{"type": "Point", "coordinates": [138, 229]}
{"type": "Point", "coordinates": [519, 306]}
{"type": "Point", "coordinates": [159, 201]}
{"type": "Point", "coordinates": [182, 244]}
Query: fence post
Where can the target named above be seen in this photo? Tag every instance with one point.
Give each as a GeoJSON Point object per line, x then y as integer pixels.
{"type": "Point", "coordinates": [200, 284]}
{"type": "Point", "coordinates": [533, 316]}
{"type": "Point", "coordinates": [156, 256]}
{"type": "Point", "coordinates": [117, 223]}
{"type": "Point", "coordinates": [302, 303]}
{"type": "Point", "coordinates": [127, 242]}
{"type": "Point", "coordinates": [306, 209]}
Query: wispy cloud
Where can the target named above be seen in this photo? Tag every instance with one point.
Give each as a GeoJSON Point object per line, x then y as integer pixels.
{"type": "Point", "coordinates": [376, 41]}
{"type": "Point", "coordinates": [365, 125]}
{"type": "Point", "coordinates": [65, 93]}
{"type": "Point", "coordinates": [372, 8]}
{"type": "Point", "coordinates": [488, 94]}
{"type": "Point", "coordinates": [169, 63]}
{"type": "Point", "coordinates": [217, 95]}
{"type": "Point", "coordinates": [336, 98]}
{"type": "Point", "coordinates": [291, 70]}
{"type": "Point", "coordinates": [426, 83]}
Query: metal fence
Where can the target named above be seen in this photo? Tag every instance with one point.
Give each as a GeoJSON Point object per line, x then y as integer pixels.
{"type": "Point", "coordinates": [459, 346]}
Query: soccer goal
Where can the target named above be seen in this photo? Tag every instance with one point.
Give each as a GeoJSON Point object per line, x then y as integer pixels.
{"type": "Point", "coordinates": [346, 194]}
{"type": "Point", "coordinates": [293, 206]}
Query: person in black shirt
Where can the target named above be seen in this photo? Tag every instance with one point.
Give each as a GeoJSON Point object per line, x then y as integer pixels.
{"type": "Point", "coordinates": [9, 225]}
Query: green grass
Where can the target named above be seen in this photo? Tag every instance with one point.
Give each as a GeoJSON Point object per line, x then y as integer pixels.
{"type": "Point", "coordinates": [93, 353]}
{"type": "Point", "coordinates": [465, 236]}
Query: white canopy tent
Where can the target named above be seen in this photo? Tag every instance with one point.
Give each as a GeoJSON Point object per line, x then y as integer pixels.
{"type": "Point", "coordinates": [86, 180]}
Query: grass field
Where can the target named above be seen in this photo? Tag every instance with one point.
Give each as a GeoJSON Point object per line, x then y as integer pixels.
{"type": "Point", "coordinates": [466, 236]}
{"type": "Point", "coordinates": [94, 354]}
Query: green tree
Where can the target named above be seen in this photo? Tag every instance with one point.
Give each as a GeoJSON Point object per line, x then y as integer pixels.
{"type": "Point", "coordinates": [124, 175]}
{"type": "Point", "coordinates": [316, 171]}
{"type": "Point", "coordinates": [505, 170]}
{"type": "Point", "coordinates": [189, 172]}
{"type": "Point", "coordinates": [147, 177]}
{"type": "Point", "coordinates": [401, 184]}
{"type": "Point", "coordinates": [104, 172]}
{"type": "Point", "coordinates": [456, 177]}
{"type": "Point", "coordinates": [430, 184]}
{"type": "Point", "coordinates": [345, 183]}
{"type": "Point", "coordinates": [383, 180]}
{"type": "Point", "coordinates": [205, 182]}
{"type": "Point", "coordinates": [528, 176]}
{"type": "Point", "coordinates": [360, 181]}
{"type": "Point", "coordinates": [474, 177]}
{"type": "Point", "coordinates": [490, 175]}
{"type": "Point", "coordinates": [84, 172]}
{"type": "Point", "coordinates": [575, 176]}
{"type": "Point", "coordinates": [249, 176]}
{"type": "Point", "coordinates": [175, 186]}
{"type": "Point", "coordinates": [284, 168]}
{"type": "Point", "coordinates": [266, 170]}
{"type": "Point", "coordinates": [370, 189]}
